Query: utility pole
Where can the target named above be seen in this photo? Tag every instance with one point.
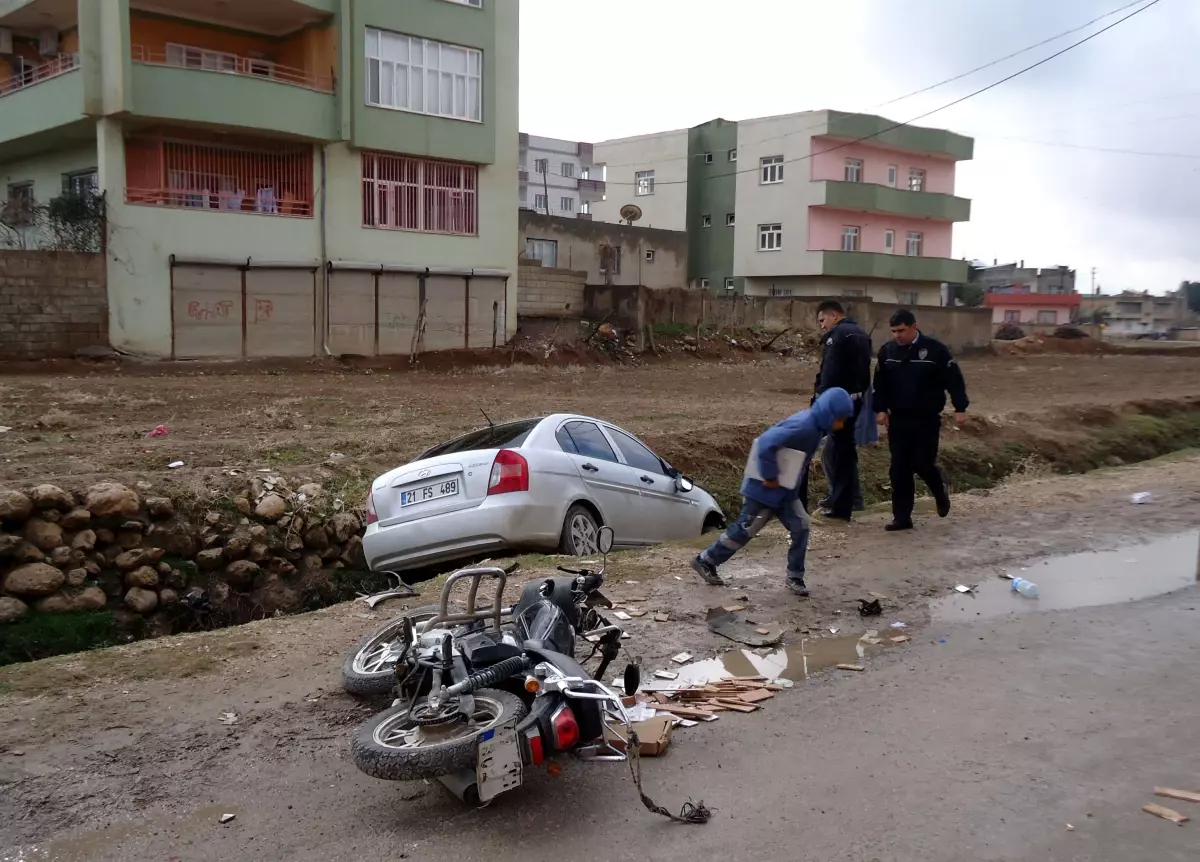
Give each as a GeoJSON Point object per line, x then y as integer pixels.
{"type": "Point", "coordinates": [1093, 281]}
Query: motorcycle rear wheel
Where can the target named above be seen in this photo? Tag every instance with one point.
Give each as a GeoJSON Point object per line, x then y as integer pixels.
{"type": "Point", "coordinates": [392, 746]}
{"type": "Point", "coordinates": [364, 672]}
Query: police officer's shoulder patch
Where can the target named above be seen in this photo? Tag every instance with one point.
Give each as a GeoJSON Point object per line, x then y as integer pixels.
{"type": "Point", "coordinates": [922, 353]}
{"type": "Point", "coordinates": [830, 341]}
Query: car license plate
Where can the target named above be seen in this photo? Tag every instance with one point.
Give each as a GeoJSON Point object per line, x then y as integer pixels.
{"type": "Point", "coordinates": [446, 488]}
{"type": "Point", "coordinates": [498, 765]}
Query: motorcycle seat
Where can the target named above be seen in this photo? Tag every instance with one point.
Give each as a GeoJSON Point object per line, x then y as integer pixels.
{"type": "Point", "coordinates": [490, 654]}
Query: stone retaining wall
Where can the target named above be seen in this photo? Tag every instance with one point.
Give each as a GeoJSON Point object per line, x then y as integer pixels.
{"type": "Point", "coordinates": [157, 569]}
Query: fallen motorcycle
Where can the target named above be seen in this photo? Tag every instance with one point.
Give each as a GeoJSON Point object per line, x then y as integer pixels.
{"type": "Point", "coordinates": [484, 694]}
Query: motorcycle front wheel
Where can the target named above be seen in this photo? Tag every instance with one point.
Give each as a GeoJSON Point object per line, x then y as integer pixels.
{"type": "Point", "coordinates": [370, 670]}
{"type": "Point", "coordinates": [396, 746]}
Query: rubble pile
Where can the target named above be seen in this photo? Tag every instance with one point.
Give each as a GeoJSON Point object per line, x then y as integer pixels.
{"type": "Point", "coordinates": [140, 557]}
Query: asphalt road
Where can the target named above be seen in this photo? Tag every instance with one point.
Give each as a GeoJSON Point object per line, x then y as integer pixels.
{"type": "Point", "coordinates": [983, 747]}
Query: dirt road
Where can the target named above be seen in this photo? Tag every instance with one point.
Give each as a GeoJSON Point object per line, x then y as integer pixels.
{"type": "Point", "coordinates": [983, 747]}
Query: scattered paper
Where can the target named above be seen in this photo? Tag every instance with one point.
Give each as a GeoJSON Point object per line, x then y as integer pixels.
{"type": "Point", "coordinates": [1141, 497]}
{"type": "Point", "coordinates": [226, 818]}
{"type": "Point", "coordinates": [682, 658]}
{"type": "Point", "coordinates": [640, 712]}
{"type": "Point", "coordinates": [174, 465]}
{"type": "Point", "coordinates": [4, 429]}
{"type": "Point", "coordinates": [662, 617]}
{"type": "Point", "coordinates": [899, 625]}
{"type": "Point", "coordinates": [834, 630]}
{"type": "Point", "coordinates": [228, 718]}
{"type": "Point", "coordinates": [856, 667]}
{"type": "Point", "coordinates": [621, 615]}
{"type": "Point", "coordinates": [666, 674]}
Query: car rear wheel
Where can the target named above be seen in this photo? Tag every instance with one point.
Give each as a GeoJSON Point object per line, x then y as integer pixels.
{"type": "Point", "coordinates": [580, 532]}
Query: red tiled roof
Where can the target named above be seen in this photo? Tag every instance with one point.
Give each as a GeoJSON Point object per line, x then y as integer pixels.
{"type": "Point", "coordinates": [1042, 300]}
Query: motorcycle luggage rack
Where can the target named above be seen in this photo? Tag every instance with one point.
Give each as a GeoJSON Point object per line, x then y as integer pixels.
{"type": "Point", "coordinates": [492, 614]}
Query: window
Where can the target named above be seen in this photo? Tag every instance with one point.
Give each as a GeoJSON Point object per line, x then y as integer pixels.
{"type": "Point", "coordinates": [585, 208]}
{"type": "Point", "coordinates": [893, 173]}
{"type": "Point", "coordinates": [916, 180]}
{"type": "Point", "coordinates": [889, 241]}
{"type": "Point", "coordinates": [610, 258]}
{"type": "Point", "coordinates": [650, 255]}
{"type": "Point", "coordinates": [586, 439]}
{"type": "Point", "coordinates": [915, 242]}
{"type": "Point", "coordinates": [567, 205]}
{"type": "Point", "coordinates": [568, 169]}
{"type": "Point", "coordinates": [1012, 317]}
{"type": "Point", "coordinates": [18, 210]}
{"type": "Point", "coordinates": [541, 202]}
{"type": "Point", "coordinates": [732, 155]}
{"type": "Point", "coordinates": [730, 219]}
{"type": "Point", "coordinates": [908, 297]}
{"type": "Point", "coordinates": [704, 283]}
{"type": "Point", "coordinates": [229, 174]}
{"type": "Point", "coordinates": [81, 183]}
{"type": "Point", "coordinates": [541, 166]}
{"type": "Point", "coordinates": [854, 170]}
{"type": "Point", "coordinates": [200, 58]}
{"type": "Point", "coordinates": [729, 284]}
{"type": "Point", "coordinates": [708, 158]}
{"type": "Point", "coordinates": [585, 173]}
{"type": "Point", "coordinates": [705, 221]}
{"type": "Point", "coordinates": [510, 434]}
{"type": "Point", "coordinates": [770, 237]}
{"type": "Point", "coordinates": [644, 182]}
{"type": "Point", "coordinates": [543, 250]}
{"type": "Point", "coordinates": [408, 73]}
{"type": "Point", "coordinates": [1047, 317]}
{"type": "Point", "coordinates": [772, 170]}
{"type": "Point", "coordinates": [636, 454]}
{"type": "Point", "coordinates": [403, 193]}
{"type": "Point", "coordinates": [850, 238]}
{"type": "Point", "coordinates": [781, 291]}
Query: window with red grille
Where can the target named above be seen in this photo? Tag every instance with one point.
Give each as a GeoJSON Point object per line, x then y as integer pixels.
{"type": "Point", "coordinates": [403, 193]}
{"type": "Point", "coordinates": [232, 175]}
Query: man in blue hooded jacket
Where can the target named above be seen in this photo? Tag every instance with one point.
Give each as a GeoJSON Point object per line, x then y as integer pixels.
{"type": "Point", "coordinates": [775, 485]}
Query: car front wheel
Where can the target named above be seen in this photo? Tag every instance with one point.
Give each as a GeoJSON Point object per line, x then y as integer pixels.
{"type": "Point", "coordinates": [579, 532]}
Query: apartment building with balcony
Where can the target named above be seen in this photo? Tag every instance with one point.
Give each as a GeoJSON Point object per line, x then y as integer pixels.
{"type": "Point", "coordinates": [281, 177]}
{"type": "Point", "coordinates": [1132, 312]}
{"type": "Point", "coordinates": [820, 203]}
{"type": "Point", "coordinates": [557, 178]}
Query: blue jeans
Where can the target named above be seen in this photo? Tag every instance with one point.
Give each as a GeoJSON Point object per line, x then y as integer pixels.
{"type": "Point", "coordinates": [749, 523]}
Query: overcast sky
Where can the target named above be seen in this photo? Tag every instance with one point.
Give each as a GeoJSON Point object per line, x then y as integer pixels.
{"type": "Point", "coordinates": [596, 70]}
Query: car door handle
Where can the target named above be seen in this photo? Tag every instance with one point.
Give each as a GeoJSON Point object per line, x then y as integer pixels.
{"type": "Point", "coordinates": [591, 468]}
{"type": "Point", "coordinates": [647, 480]}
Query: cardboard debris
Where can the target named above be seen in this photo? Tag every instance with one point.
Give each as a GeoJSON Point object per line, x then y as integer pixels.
{"type": "Point", "coordinates": [1171, 793]}
{"type": "Point", "coordinates": [900, 639]}
{"type": "Point", "coordinates": [682, 658]}
{"type": "Point", "coordinates": [637, 612]}
{"type": "Point", "coordinates": [666, 674]}
{"type": "Point", "coordinates": [621, 615]}
{"type": "Point", "coordinates": [1165, 813]}
{"type": "Point", "coordinates": [857, 667]}
{"type": "Point", "coordinates": [733, 609]}
{"type": "Point", "coordinates": [662, 617]}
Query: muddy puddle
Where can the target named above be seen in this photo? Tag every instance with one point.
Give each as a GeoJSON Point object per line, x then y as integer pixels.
{"type": "Point", "coordinates": [793, 662]}
{"type": "Point", "coordinates": [1083, 580]}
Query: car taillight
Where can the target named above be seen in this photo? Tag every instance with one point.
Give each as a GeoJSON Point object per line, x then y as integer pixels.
{"type": "Point", "coordinates": [372, 516]}
{"type": "Point", "coordinates": [510, 472]}
{"type": "Point", "coordinates": [565, 728]}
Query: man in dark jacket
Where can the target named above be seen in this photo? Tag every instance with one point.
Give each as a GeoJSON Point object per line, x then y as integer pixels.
{"type": "Point", "coordinates": [775, 485]}
{"type": "Point", "coordinates": [845, 364]}
{"type": "Point", "coordinates": [914, 373]}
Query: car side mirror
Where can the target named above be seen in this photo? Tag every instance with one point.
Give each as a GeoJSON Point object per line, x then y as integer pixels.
{"type": "Point", "coordinates": [683, 484]}
{"type": "Point", "coordinates": [604, 540]}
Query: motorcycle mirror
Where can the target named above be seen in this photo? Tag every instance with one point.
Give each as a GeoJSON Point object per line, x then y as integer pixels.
{"type": "Point", "coordinates": [604, 541]}
{"type": "Point", "coordinates": [684, 484]}
{"type": "Point", "coordinates": [633, 679]}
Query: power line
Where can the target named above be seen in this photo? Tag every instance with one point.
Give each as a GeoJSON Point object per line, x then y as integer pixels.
{"type": "Point", "coordinates": [1192, 156]}
{"type": "Point", "coordinates": [944, 107]}
{"type": "Point", "coordinates": [923, 90]}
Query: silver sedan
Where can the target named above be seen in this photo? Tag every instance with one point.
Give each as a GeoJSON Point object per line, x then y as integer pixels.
{"type": "Point", "coordinates": [544, 484]}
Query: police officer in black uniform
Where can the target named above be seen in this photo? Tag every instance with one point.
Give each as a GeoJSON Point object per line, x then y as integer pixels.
{"type": "Point", "coordinates": [914, 373]}
{"type": "Point", "coordinates": [845, 364]}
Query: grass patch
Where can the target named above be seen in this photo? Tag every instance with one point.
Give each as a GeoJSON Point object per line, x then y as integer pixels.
{"type": "Point", "coordinates": [36, 636]}
{"type": "Point", "coordinates": [292, 456]}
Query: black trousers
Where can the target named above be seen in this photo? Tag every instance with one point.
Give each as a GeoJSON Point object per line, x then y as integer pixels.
{"type": "Point", "coordinates": [842, 467]}
{"type": "Point", "coordinates": [913, 441]}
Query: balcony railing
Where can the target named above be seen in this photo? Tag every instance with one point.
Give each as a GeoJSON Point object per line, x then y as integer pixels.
{"type": "Point", "coordinates": [597, 186]}
{"type": "Point", "coordinates": [32, 75]}
{"type": "Point", "coordinates": [232, 64]}
{"type": "Point", "coordinates": [584, 216]}
{"type": "Point", "coordinates": [523, 175]}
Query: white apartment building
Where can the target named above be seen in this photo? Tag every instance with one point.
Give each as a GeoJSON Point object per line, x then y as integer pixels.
{"type": "Point", "coordinates": [820, 203]}
{"type": "Point", "coordinates": [558, 177]}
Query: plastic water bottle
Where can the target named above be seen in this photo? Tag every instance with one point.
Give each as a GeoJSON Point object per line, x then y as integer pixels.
{"type": "Point", "coordinates": [1026, 588]}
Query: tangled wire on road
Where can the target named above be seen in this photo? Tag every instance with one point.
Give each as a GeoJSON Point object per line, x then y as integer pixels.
{"type": "Point", "coordinates": [693, 813]}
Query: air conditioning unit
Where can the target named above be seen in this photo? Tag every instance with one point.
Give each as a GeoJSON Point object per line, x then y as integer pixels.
{"type": "Point", "coordinates": [48, 43]}
{"type": "Point", "coordinates": [6, 46]}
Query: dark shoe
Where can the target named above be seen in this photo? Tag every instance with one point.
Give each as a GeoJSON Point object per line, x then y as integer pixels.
{"type": "Point", "coordinates": [830, 515]}
{"type": "Point", "coordinates": [943, 506]}
{"type": "Point", "coordinates": [707, 571]}
{"type": "Point", "coordinates": [897, 526]}
{"type": "Point", "coordinates": [798, 587]}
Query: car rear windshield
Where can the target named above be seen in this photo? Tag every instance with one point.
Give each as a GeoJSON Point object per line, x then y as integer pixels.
{"type": "Point", "coordinates": [507, 436]}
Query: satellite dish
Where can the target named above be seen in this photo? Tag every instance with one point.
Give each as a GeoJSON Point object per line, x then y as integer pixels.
{"type": "Point", "coordinates": [631, 213]}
